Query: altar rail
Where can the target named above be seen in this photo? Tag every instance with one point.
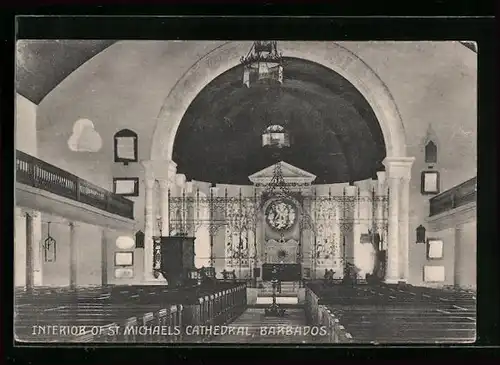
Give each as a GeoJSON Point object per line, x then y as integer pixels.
{"type": "Point", "coordinates": [42, 175]}
{"type": "Point", "coordinates": [455, 197]}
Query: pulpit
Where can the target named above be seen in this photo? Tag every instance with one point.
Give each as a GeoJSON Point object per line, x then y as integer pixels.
{"type": "Point", "coordinates": [177, 259]}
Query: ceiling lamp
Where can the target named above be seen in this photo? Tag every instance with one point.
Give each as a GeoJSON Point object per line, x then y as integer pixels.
{"type": "Point", "coordinates": [275, 136]}
{"type": "Point", "coordinates": [263, 65]}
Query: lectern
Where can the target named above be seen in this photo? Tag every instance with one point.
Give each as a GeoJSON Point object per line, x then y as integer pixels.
{"type": "Point", "coordinates": [177, 259]}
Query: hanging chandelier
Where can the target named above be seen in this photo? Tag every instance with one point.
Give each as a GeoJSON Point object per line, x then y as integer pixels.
{"type": "Point", "coordinates": [275, 136]}
{"type": "Point", "coordinates": [263, 65]}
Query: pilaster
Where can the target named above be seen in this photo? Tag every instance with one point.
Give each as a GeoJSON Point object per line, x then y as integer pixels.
{"type": "Point", "coordinates": [398, 170]}
{"type": "Point", "coordinates": [163, 172]}
{"type": "Point", "coordinates": [73, 256]}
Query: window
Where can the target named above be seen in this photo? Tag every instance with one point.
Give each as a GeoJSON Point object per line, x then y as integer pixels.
{"type": "Point", "coordinates": [431, 153]}
{"type": "Point", "coordinates": [139, 239]}
{"type": "Point", "coordinates": [125, 142]}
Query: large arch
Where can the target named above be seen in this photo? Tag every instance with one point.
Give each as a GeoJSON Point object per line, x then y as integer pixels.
{"type": "Point", "coordinates": [329, 54]}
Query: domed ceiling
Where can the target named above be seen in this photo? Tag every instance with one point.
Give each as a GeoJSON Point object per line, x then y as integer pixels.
{"type": "Point", "coordinates": [334, 133]}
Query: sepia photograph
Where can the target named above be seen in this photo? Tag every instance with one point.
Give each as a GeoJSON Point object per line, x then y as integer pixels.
{"type": "Point", "coordinates": [248, 192]}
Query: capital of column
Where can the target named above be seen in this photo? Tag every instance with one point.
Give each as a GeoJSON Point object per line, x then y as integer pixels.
{"type": "Point", "coordinates": [180, 180]}
{"type": "Point", "coordinates": [398, 167]}
{"type": "Point", "coordinates": [381, 177]}
{"type": "Point", "coordinates": [164, 184]}
{"type": "Point", "coordinates": [32, 213]}
{"type": "Point", "coordinates": [159, 169]}
{"type": "Point", "coordinates": [351, 190]}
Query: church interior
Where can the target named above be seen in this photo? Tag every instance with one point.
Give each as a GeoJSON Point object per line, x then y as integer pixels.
{"type": "Point", "coordinates": [193, 184]}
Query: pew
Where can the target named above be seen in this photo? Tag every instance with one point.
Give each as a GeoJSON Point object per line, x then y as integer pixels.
{"type": "Point", "coordinates": [392, 314]}
{"type": "Point", "coordinates": [122, 306]}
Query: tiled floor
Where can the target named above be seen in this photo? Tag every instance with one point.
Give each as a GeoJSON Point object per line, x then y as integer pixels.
{"type": "Point", "coordinates": [258, 327]}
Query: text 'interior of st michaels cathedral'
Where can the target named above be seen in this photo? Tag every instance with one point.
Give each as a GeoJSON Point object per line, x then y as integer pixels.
{"type": "Point", "coordinates": [204, 190]}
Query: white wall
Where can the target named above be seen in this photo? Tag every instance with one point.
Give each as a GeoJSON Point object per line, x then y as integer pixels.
{"type": "Point", "coordinates": [26, 131]}
{"type": "Point", "coordinates": [19, 248]}
{"type": "Point", "coordinates": [466, 261]}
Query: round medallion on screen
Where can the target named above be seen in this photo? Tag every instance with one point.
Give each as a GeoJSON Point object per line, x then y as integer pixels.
{"type": "Point", "coordinates": [281, 215]}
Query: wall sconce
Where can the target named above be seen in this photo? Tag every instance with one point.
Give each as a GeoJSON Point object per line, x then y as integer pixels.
{"type": "Point", "coordinates": [420, 234]}
{"type": "Point", "coordinates": [49, 247]}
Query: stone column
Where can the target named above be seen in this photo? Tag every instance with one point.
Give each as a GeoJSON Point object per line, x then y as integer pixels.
{"type": "Point", "coordinates": [161, 170]}
{"type": "Point", "coordinates": [148, 229]}
{"type": "Point", "coordinates": [392, 271]}
{"type": "Point", "coordinates": [213, 233]}
{"type": "Point", "coordinates": [164, 206]}
{"type": "Point", "coordinates": [404, 206]}
{"type": "Point", "coordinates": [337, 253]}
{"type": "Point", "coordinates": [354, 233]}
{"type": "Point", "coordinates": [380, 193]}
{"type": "Point", "coordinates": [37, 248]}
{"type": "Point", "coordinates": [180, 180]}
{"type": "Point", "coordinates": [29, 252]}
{"type": "Point", "coordinates": [398, 170]}
{"type": "Point", "coordinates": [73, 256]}
{"type": "Point", "coordinates": [165, 175]}
{"type": "Point", "coordinates": [104, 256]}
{"type": "Point", "coordinates": [457, 274]}
{"type": "Point", "coordinates": [34, 254]}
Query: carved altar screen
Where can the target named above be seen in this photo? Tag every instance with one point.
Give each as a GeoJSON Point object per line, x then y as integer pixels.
{"type": "Point", "coordinates": [327, 250]}
{"type": "Point", "coordinates": [330, 219]}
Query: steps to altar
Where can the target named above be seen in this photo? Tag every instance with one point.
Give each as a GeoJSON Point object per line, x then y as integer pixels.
{"type": "Point", "coordinates": [291, 295]}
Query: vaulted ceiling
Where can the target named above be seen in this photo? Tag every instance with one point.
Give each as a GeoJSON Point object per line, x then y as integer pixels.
{"type": "Point", "coordinates": [43, 64]}
{"type": "Point", "coordinates": [334, 133]}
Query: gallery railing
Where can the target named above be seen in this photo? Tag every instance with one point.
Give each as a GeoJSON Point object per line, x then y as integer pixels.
{"type": "Point", "coordinates": [42, 175]}
{"type": "Point", "coordinates": [455, 197]}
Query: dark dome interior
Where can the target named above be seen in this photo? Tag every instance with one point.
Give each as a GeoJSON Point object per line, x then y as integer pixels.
{"type": "Point", "coordinates": [333, 131]}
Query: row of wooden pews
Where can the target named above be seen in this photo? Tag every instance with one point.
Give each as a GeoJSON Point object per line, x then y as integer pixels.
{"type": "Point", "coordinates": [124, 313]}
{"type": "Point", "coordinates": [392, 314]}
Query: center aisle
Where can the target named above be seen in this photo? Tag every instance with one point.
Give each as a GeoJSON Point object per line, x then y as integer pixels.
{"type": "Point", "coordinates": [260, 328]}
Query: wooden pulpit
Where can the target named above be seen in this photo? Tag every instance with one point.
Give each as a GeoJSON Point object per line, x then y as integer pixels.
{"type": "Point", "coordinates": [177, 259]}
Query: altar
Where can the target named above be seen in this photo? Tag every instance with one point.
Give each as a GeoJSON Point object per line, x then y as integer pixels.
{"type": "Point", "coordinates": [284, 221]}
